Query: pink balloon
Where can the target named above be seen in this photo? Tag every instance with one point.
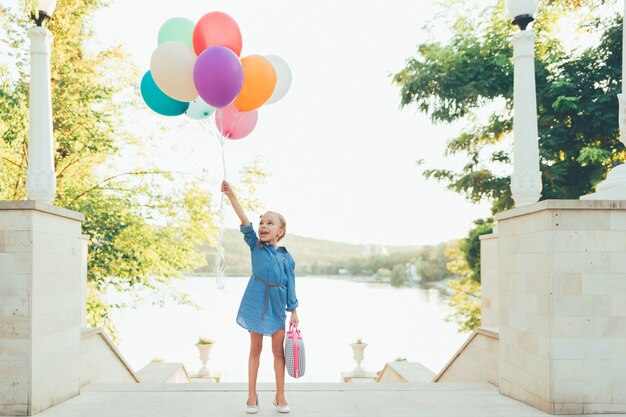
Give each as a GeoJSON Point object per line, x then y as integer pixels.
{"type": "Point", "coordinates": [235, 124]}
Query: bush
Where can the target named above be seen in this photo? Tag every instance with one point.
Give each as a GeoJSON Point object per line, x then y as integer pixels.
{"type": "Point", "coordinates": [398, 276]}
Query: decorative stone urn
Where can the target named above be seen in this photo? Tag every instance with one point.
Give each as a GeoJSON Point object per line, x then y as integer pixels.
{"type": "Point", "coordinates": [358, 348]}
{"type": "Point", "coordinates": [204, 349]}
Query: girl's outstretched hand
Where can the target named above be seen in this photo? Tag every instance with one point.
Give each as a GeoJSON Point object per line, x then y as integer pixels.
{"type": "Point", "coordinates": [233, 201]}
{"type": "Point", "coordinates": [226, 188]}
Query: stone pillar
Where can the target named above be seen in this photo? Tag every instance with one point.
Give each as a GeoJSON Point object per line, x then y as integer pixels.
{"type": "Point", "coordinates": [562, 268]}
{"type": "Point", "coordinates": [526, 178]}
{"type": "Point", "coordinates": [40, 306]}
{"type": "Point", "coordinates": [40, 176]}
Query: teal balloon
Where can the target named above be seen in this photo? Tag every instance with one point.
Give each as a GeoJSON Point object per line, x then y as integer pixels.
{"type": "Point", "coordinates": [199, 109]}
{"type": "Point", "coordinates": [177, 29]}
{"type": "Point", "coordinates": [158, 101]}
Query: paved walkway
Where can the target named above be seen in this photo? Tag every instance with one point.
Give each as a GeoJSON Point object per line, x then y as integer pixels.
{"type": "Point", "coordinates": [306, 400]}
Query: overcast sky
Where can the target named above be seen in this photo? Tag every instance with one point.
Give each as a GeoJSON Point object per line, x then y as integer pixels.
{"type": "Point", "coordinates": [341, 152]}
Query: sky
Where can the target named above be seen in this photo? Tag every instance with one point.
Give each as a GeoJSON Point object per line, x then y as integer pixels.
{"type": "Point", "coordinates": [341, 152]}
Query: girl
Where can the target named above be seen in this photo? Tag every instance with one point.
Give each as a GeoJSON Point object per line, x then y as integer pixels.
{"type": "Point", "coordinates": [271, 290]}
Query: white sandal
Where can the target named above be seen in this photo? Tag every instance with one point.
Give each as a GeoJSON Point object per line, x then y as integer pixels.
{"type": "Point", "coordinates": [253, 409]}
{"type": "Point", "coordinates": [281, 408]}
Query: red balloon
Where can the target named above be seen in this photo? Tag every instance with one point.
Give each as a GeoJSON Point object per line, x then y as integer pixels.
{"type": "Point", "coordinates": [216, 29]}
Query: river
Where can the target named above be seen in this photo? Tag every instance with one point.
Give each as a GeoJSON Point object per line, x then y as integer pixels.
{"type": "Point", "coordinates": [395, 322]}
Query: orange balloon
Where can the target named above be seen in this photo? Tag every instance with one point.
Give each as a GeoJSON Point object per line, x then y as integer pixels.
{"type": "Point", "coordinates": [259, 81]}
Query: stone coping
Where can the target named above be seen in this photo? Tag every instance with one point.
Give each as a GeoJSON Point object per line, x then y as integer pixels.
{"type": "Point", "coordinates": [486, 331]}
{"type": "Point", "coordinates": [409, 371]}
{"type": "Point", "coordinates": [87, 332]}
{"type": "Point", "coordinates": [562, 205]}
{"type": "Point", "coordinates": [40, 206]}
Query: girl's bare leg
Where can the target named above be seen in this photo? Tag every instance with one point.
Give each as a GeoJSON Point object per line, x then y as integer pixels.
{"type": "Point", "coordinates": [278, 338]}
{"type": "Point", "coordinates": [256, 345]}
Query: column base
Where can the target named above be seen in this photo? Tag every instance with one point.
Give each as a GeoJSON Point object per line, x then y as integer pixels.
{"type": "Point", "coordinates": [612, 188]}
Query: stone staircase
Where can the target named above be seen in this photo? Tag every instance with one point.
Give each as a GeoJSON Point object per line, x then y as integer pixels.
{"type": "Point", "coordinates": [305, 399]}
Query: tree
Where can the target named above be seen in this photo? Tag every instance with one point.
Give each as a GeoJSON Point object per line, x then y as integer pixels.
{"type": "Point", "coordinates": [465, 302]}
{"type": "Point", "coordinates": [472, 75]}
{"type": "Point", "coordinates": [470, 246]}
{"type": "Point", "coordinates": [470, 79]}
{"type": "Point", "coordinates": [398, 276]}
{"type": "Point", "coordinates": [431, 262]}
{"type": "Point", "coordinates": [144, 224]}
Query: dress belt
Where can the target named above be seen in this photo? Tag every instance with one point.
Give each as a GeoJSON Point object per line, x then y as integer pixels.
{"type": "Point", "coordinates": [267, 291]}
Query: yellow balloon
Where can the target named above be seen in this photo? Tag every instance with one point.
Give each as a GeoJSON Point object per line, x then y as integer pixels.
{"type": "Point", "coordinates": [259, 81]}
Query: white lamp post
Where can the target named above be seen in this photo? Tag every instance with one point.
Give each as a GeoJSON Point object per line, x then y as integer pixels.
{"type": "Point", "coordinates": [40, 176]}
{"type": "Point", "coordinates": [526, 178]}
{"type": "Point", "coordinates": [614, 186]}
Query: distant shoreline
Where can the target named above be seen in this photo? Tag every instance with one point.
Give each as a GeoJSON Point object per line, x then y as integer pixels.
{"type": "Point", "coordinates": [440, 285]}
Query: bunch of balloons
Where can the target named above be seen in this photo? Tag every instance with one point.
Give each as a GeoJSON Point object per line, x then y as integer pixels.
{"type": "Point", "coordinates": [196, 69]}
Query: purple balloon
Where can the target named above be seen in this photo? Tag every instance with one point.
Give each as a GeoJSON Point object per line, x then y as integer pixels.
{"type": "Point", "coordinates": [218, 76]}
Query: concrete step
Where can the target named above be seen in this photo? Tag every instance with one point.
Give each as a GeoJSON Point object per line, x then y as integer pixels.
{"type": "Point", "coordinates": [302, 387]}
{"type": "Point", "coordinates": [305, 400]}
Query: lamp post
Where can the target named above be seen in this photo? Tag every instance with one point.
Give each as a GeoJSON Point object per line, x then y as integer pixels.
{"type": "Point", "coordinates": [40, 176]}
{"type": "Point", "coordinates": [526, 177]}
{"type": "Point", "coordinates": [614, 186]}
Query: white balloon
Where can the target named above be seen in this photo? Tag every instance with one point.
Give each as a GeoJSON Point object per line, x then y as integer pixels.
{"type": "Point", "coordinates": [283, 78]}
{"type": "Point", "coordinates": [171, 66]}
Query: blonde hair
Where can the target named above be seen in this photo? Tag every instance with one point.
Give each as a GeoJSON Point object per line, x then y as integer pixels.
{"type": "Point", "coordinates": [281, 220]}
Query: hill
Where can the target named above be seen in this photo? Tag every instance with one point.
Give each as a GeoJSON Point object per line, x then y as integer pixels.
{"type": "Point", "coordinates": [310, 254]}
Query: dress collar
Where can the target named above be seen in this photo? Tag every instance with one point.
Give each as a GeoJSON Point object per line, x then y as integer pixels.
{"type": "Point", "coordinates": [281, 249]}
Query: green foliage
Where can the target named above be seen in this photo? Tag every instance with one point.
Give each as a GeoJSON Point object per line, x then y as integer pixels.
{"type": "Point", "coordinates": [470, 246]}
{"type": "Point", "coordinates": [431, 262]}
{"type": "Point", "coordinates": [465, 265]}
{"type": "Point", "coordinates": [470, 80]}
{"type": "Point", "coordinates": [384, 272]}
{"type": "Point", "coordinates": [141, 233]}
{"type": "Point", "coordinates": [465, 302]}
{"type": "Point", "coordinates": [398, 277]}
{"type": "Point", "coordinates": [576, 99]}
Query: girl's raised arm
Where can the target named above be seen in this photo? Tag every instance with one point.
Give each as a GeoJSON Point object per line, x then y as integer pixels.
{"type": "Point", "coordinates": [235, 203]}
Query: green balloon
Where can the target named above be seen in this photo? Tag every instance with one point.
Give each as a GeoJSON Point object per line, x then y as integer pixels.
{"type": "Point", "coordinates": [199, 110]}
{"type": "Point", "coordinates": [157, 100]}
{"type": "Point", "coordinates": [177, 29]}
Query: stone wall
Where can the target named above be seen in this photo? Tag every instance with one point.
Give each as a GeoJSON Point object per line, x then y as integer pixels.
{"type": "Point", "coordinates": [562, 288]}
{"type": "Point", "coordinates": [40, 257]}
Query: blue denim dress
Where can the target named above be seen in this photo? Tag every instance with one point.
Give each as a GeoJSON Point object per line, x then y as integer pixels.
{"type": "Point", "coordinates": [271, 289]}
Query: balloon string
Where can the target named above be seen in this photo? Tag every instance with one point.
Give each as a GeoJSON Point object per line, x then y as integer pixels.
{"type": "Point", "coordinates": [238, 117]}
{"type": "Point", "coordinates": [220, 260]}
